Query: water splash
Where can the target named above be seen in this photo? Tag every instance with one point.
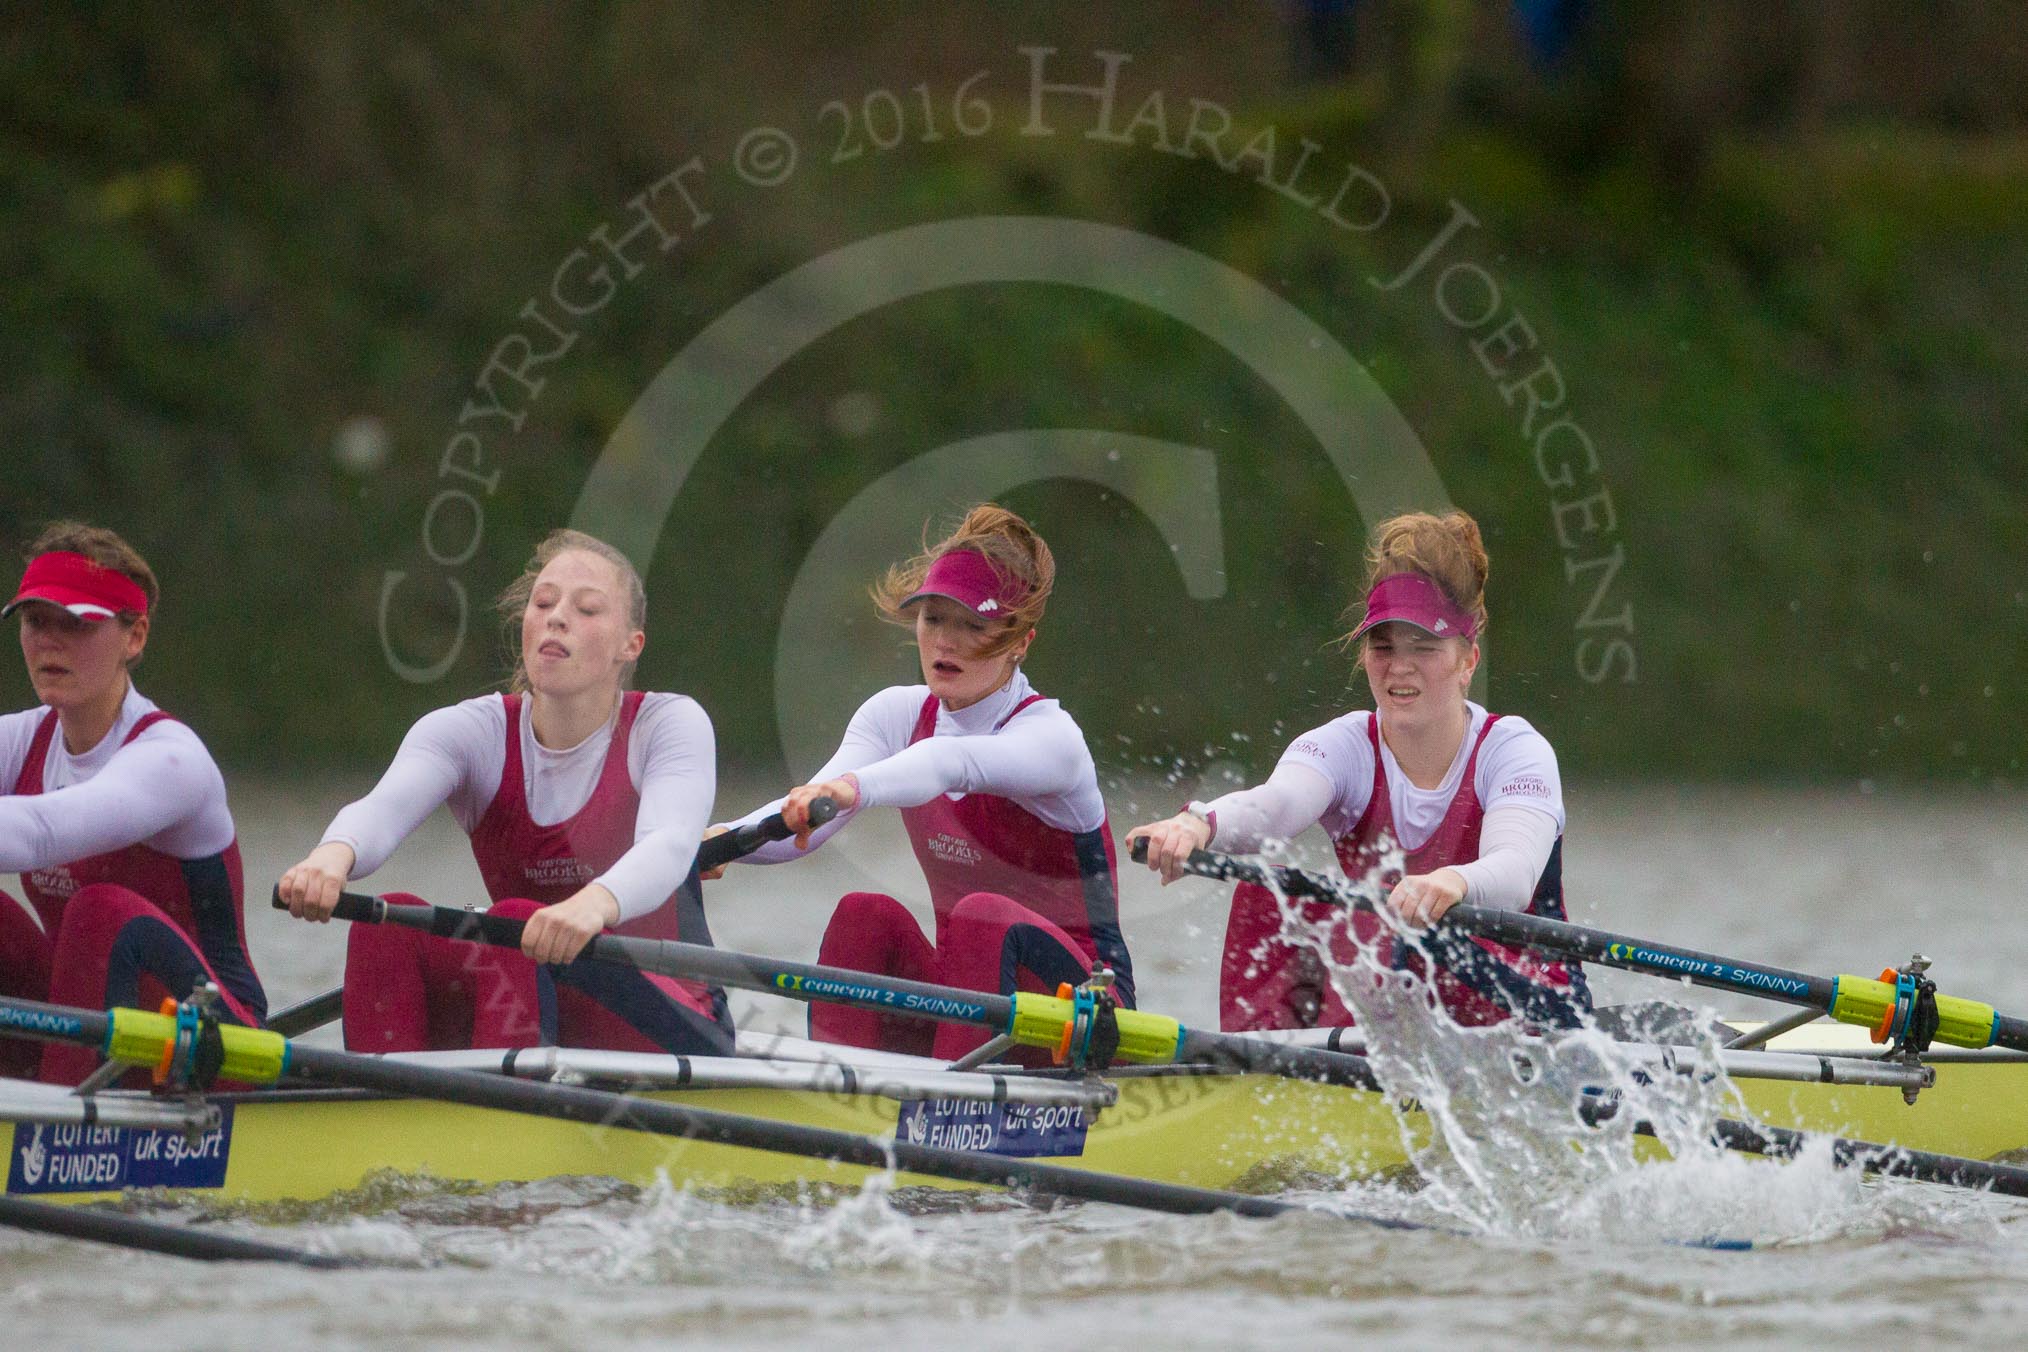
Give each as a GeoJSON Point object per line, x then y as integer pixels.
{"type": "Point", "coordinates": [1535, 1136]}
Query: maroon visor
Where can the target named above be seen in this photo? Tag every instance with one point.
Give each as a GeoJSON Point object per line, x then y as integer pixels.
{"type": "Point", "coordinates": [967, 577]}
{"type": "Point", "coordinates": [1414, 599]}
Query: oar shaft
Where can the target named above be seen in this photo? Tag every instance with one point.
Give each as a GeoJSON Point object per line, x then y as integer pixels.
{"type": "Point", "coordinates": [1638, 955]}
{"type": "Point", "coordinates": [1534, 931]}
{"type": "Point", "coordinates": [1146, 1038]}
{"type": "Point", "coordinates": [1922, 1166]}
{"type": "Point", "coordinates": [697, 962]}
{"type": "Point", "coordinates": [1262, 1057]}
{"type": "Point", "coordinates": [131, 1232]}
{"type": "Point", "coordinates": [308, 1014]}
{"type": "Point", "coordinates": [52, 1023]}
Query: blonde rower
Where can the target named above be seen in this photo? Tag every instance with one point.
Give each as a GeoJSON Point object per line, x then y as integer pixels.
{"type": "Point", "coordinates": [585, 802]}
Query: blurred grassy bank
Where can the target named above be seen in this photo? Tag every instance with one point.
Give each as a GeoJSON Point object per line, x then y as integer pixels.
{"type": "Point", "coordinates": [1804, 368]}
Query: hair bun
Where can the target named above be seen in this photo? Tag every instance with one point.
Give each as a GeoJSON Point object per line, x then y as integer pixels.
{"type": "Point", "coordinates": [1447, 549]}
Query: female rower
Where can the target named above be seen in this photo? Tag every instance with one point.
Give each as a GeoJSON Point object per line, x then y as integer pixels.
{"type": "Point", "coordinates": [585, 802]}
{"type": "Point", "coordinates": [114, 813]}
{"type": "Point", "coordinates": [996, 789]}
{"type": "Point", "coordinates": [1472, 799]}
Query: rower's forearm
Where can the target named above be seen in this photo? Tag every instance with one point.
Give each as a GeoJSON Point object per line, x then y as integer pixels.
{"type": "Point", "coordinates": [1514, 848]}
{"type": "Point", "coordinates": [1293, 797]}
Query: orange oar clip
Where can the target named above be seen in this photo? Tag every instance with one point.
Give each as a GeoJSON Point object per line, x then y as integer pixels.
{"type": "Point", "coordinates": [1881, 1030]}
{"type": "Point", "coordinates": [1064, 992]}
{"type": "Point", "coordinates": [168, 1048]}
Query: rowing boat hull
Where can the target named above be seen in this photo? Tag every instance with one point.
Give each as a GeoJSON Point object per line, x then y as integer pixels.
{"type": "Point", "coordinates": [1209, 1131]}
{"type": "Point", "coordinates": [1219, 1131]}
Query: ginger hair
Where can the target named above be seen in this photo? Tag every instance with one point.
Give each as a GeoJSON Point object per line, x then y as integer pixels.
{"type": "Point", "coordinates": [1445, 549]}
{"type": "Point", "coordinates": [1008, 543]}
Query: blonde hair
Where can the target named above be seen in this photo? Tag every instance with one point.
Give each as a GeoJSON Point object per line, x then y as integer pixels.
{"type": "Point", "coordinates": [513, 601]}
{"type": "Point", "coordinates": [1447, 550]}
{"type": "Point", "coordinates": [1006, 542]}
{"type": "Point", "coordinates": [105, 548]}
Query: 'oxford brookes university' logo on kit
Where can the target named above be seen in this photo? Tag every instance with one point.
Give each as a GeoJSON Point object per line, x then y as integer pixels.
{"type": "Point", "coordinates": [567, 871]}
{"type": "Point", "coordinates": [952, 849]}
{"type": "Point", "coordinates": [56, 881]}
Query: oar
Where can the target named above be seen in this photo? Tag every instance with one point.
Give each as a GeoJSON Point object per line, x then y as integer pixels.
{"type": "Point", "coordinates": [1873, 1157]}
{"type": "Point", "coordinates": [258, 1056]}
{"type": "Point", "coordinates": [131, 1232]}
{"type": "Point", "coordinates": [1893, 1161]}
{"type": "Point", "coordinates": [1031, 1019]}
{"type": "Point", "coordinates": [314, 1012]}
{"type": "Point", "coordinates": [716, 852]}
{"type": "Point", "coordinates": [1880, 1005]}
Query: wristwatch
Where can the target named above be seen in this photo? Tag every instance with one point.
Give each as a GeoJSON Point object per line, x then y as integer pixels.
{"type": "Point", "coordinates": [1203, 812]}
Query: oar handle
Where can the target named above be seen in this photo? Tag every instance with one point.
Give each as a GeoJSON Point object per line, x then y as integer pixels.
{"type": "Point", "coordinates": [719, 851]}
{"type": "Point", "coordinates": [442, 921]}
{"type": "Point", "coordinates": [1290, 882]}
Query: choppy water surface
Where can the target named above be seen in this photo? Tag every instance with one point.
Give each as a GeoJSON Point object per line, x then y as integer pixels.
{"type": "Point", "coordinates": [1533, 1248]}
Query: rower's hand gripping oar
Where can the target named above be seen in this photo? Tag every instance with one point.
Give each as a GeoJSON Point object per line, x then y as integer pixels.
{"type": "Point", "coordinates": [1901, 1008]}
{"type": "Point", "coordinates": [715, 852]}
{"type": "Point", "coordinates": [720, 850]}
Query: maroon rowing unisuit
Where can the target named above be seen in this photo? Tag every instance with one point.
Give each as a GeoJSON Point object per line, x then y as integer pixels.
{"type": "Point", "coordinates": [1266, 981]}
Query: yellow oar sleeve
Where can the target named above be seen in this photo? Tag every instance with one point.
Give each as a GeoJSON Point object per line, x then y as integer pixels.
{"type": "Point", "coordinates": [1039, 1021]}
{"type": "Point", "coordinates": [252, 1055]}
{"type": "Point", "coordinates": [1960, 1023]}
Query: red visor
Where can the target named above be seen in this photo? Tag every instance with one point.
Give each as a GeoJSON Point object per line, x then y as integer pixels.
{"type": "Point", "coordinates": [967, 577]}
{"type": "Point", "coordinates": [80, 586]}
{"type": "Point", "coordinates": [1413, 599]}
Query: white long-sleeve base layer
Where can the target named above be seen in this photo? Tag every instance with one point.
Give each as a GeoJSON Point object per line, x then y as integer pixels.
{"type": "Point", "coordinates": [161, 790]}
{"type": "Point", "coordinates": [456, 756]}
{"type": "Point", "coordinates": [1039, 761]}
{"type": "Point", "coordinates": [1326, 777]}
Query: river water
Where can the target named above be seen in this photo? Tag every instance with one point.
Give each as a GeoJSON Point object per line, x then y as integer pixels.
{"type": "Point", "coordinates": [1824, 881]}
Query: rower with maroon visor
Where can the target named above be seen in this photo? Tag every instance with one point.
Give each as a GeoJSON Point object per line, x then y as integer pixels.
{"type": "Point", "coordinates": [1469, 803]}
{"type": "Point", "coordinates": [114, 813]}
{"type": "Point", "coordinates": [997, 791]}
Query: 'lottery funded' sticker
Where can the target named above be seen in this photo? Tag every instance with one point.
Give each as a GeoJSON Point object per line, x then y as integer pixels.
{"type": "Point", "coordinates": [1017, 1130]}
{"type": "Point", "coordinates": [69, 1157]}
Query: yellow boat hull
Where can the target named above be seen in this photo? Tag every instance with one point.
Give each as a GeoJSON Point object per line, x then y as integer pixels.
{"type": "Point", "coordinates": [1211, 1131]}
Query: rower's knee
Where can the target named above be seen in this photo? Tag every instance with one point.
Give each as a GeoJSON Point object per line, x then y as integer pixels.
{"type": "Point", "coordinates": [865, 925]}
{"type": "Point", "coordinates": [514, 908]}
{"type": "Point", "coordinates": [107, 899]}
{"type": "Point", "coordinates": [865, 913]}
{"type": "Point", "coordinates": [93, 919]}
{"type": "Point", "coordinates": [988, 908]}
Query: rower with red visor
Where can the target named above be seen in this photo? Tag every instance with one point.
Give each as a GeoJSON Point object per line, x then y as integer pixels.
{"type": "Point", "coordinates": [996, 788]}
{"type": "Point", "coordinates": [1468, 802]}
{"type": "Point", "coordinates": [114, 813]}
